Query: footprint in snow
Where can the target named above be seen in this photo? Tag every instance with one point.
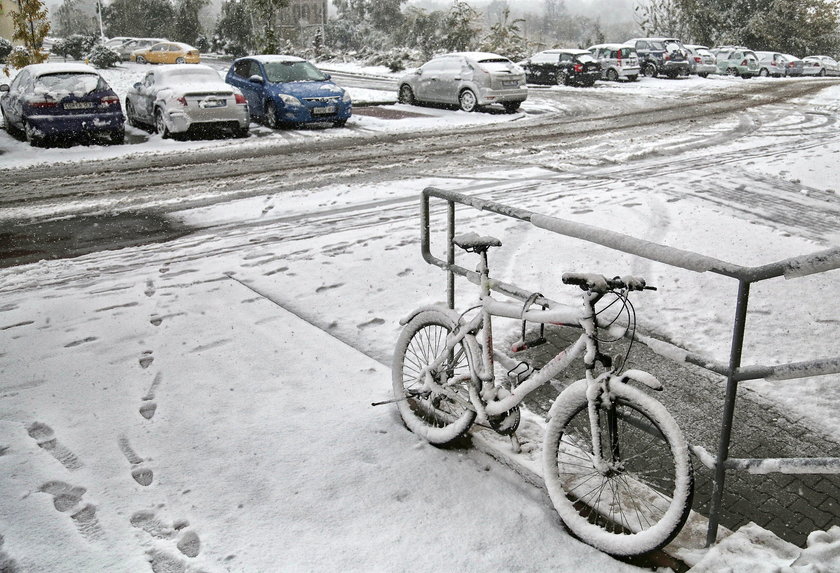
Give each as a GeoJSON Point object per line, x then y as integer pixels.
{"type": "Point", "coordinates": [150, 288]}
{"type": "Point", "coordinates": [141, 474]}
{"type": "Point", "coordinates": [7, 564]}
{"type": "Point", "coordinates": [372, 322]}
{"type": "Point", "coordinates": [188, 542]}
{"type": "Point", "coordinates": [146, 359]}
{"type": "Point", "coordinates": [46, 440]}
{"type": "Point", "coordinates": [68, 499]}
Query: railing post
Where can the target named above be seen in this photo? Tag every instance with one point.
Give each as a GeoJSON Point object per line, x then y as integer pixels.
{"type": "Point", "coordinates": [728, 409]}
{"type": "Point", "coordinates": [450, 254]}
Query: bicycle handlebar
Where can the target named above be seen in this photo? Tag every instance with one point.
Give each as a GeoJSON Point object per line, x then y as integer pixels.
{"type": "Point", "coordinates": [601, 284]}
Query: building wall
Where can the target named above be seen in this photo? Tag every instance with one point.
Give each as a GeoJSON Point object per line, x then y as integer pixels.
{"type": "Point", "coordinates": [6, 27]}
{"type": "Point", "coordinates": [305, 13]}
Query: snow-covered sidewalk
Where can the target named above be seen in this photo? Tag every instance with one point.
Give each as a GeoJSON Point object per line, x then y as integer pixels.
{"type": "Point", "coordinates": [159, 416]}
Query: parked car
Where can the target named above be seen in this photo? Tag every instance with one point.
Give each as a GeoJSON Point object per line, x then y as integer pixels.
{"type": "Point", "coordinates": [466, 79]}
{"type": "Point", "coordinates": [701, 61]}
{"type": "Point", "coordinates": [771, 64]}
{"type": "Point", "coordinates": [737, 61]}
{"type": "Point", "coordinates": [183, 98]}
{"type": "Point", "coordinates": [821, 66]}
{"type": "Point", "coordinates": [617, 61]}
{"type": "Point", "coordinates": [166, 53]}
{"type": "Point", "coordinates": [66, 100]}
{"type": "Point", "coordinates": [794, 67]}
{"type": "Point", "coordinates": [665, 56]}
{"type": "Point", "coordinates": [287, 90]}
{"type": "Point", "coordinates": [567, 67]}
{"type": "Point", "coordinates": [129, 45]}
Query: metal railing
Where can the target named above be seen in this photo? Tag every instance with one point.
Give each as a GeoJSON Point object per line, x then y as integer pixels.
{"type": "Point", "coordinates": [734, 371]}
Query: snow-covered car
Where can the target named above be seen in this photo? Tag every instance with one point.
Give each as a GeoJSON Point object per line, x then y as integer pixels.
{"type": "Point", "coordinates": [130, 45]}
{"type": "Point", "coordinates": [166, 53]}
{"type": "Point", "coordinates": [737, 61]}
{"type": "Point", "coordinates": [287, 90]}
{"type": "Point", "coordinates": [617, 61]}
{"type": "Point", "coordinates": [466, 79]}
{"type": "Point", "coordinates": [61, 100]}
{"type": "Point", "coordinates": [820, 66]}
{"type": "Point", "coordinates": [701, 61]}
{"type": "Point", "coordinates": [771, 64]}
{"type": "Point", "coordinates": [182, 98]}
{"type": "Point", "coordinates": [794, 67]}
{"type": "Point", "coordinates": [565, 67]}
{"type": "Point", "coordinates": [661, 56]}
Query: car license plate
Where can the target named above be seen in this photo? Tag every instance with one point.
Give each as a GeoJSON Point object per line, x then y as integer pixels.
{"type": "Point", "coordinates": [78, 105]}
{"type": "Point", "coordinates": [325, 110]}
{"type": "Point", "coordinates": [512, 83]}
{"type": "Point", "coordinates": [213, 103]}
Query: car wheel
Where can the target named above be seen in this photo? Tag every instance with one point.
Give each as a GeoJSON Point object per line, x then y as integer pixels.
{"type": "Point", "coordinates": [141, 60]}
{"type": "Point", "coordinates": [633, 78]}
{"type": "Point", "coordinates": [10, 129]}
{"type": "Point", "coordinates": [241, 132]}
{"type": "Point", "coordinates": [764, 72]}
{"type": "Point", "coordinates": [822, 73]}
{"type": "Point", "coordinates": [271, 115]}
{"type": "Point", "coordinates": [180, 61]}
{"type": "Point", "coordinates": [160, 124]}
{"type": "Point", "coordinates": [612, 75]}
{"type": "Point", "coordinates": [32, 136]}
{"type": "Point", "coordinates": [650, 71]}
{"type": "Point", "coordinates": [731, 72]}
{"type": "Point", "coordinates": [704, 75]}
{"type": "Point", "coordinates": [130, 115]}
{"type": "Point", "coordinates": [512, 106]}
{"type": "Point", "coordinates": [406, 95]}
{"type": "Point", "coordinates": [562, 78]}
{"type": "Point", "coordinates": [467, 100]}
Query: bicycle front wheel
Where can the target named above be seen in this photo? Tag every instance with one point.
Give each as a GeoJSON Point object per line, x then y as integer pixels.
{"type": "Point", "coordinates": [639, 496]}
{"type": "Point", "coordinates": [439, 417]}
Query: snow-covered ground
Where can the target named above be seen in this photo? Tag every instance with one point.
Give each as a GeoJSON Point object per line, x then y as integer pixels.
{"type": "Point", "coordinates": [191, 406]}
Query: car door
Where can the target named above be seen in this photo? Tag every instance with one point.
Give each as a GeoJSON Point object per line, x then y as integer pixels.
{"type": "Point", "coordinates": [445, 89]}
{"type": "Point", "coordinates": [157, 54]}
{"type": "Point", "coordinates": [145, 105]}
{"type": "Point", "coordinates": [13, 107]}
{"type": "Point", "coordinates": [427, 80]}
{"type": "Point", "coordinates": [243, 71]}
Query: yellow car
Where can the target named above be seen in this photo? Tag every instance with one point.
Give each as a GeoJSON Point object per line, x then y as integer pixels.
{"type": "Point", "coordinates": [166, 53]}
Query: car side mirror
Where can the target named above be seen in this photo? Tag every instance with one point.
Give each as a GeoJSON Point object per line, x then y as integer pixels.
{"type": "Point", "coordinates": [327, 76]}
{"type": "Point", "coordinates": [4, 87]}
{"type": "Point", "coordinates": [255, 79]}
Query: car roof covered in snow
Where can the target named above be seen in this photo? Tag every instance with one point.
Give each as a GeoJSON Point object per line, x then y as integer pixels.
{"type": "Point", "coordinates": [275, 58]}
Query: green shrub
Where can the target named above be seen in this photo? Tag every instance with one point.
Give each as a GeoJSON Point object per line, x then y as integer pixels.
{"type": "Point", "coordinates": [76, 46]}
{"type": "Point", "coordinates": [103, 57]}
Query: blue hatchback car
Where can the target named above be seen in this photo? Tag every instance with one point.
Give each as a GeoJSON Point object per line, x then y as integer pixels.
{"type": "Point", "coordinates": [287, 90]}
{"type": "Point", "coordinates": [64, 100]}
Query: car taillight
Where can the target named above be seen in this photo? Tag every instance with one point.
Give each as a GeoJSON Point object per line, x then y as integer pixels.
{"type": "Point", "coordinates": [182, 100]}
{"type": "Point", "coordinates": [240, 98]}
{"type": "Point", "coordinates": [697, 59]}
{"type": "Point", "coordinates": [666, 57]}
{"type": "Point", "coordinates": [110, 100]}
{"type": "Point", "coordinates": [744, 63]}
{"type": "Point", "coordinates": [578, 67]}
{"type": "Point", "coordinates": [43, 104]}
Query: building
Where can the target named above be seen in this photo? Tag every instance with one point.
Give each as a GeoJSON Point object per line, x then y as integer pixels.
{"type": "Point", "coordinates": [304, 18]}
{"type": "Point", "coordinates": [6, 26]}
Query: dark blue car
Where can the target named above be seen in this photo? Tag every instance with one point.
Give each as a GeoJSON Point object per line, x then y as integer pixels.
{"type": "Point", "coordinates": [61, 100]}
{"type": "Point", "coordinates": [286, 91]}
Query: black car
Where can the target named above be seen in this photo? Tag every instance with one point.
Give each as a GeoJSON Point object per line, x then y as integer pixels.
{"type": "Point", "coordinates": [661, 56]}
{"type": "Point", "coordinates": [562, 67]}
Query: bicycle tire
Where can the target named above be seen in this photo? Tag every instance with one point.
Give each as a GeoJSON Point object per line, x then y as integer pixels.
{"type": "Point", "coordinates": [437, 418]}
{"type": "Point", "coordinates": [645, 498]}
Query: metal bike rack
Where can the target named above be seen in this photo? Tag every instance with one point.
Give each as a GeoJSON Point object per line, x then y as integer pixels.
{"type": "Point", "coordinates": [734, 372]}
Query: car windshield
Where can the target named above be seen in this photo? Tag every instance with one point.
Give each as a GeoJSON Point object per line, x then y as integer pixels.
{"type": "Point", "coordinates": [66, 83]}
{"type": "Point", "coordinates": [281, 72]}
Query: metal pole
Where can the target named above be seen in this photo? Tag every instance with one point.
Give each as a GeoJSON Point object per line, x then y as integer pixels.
{"type": "Point", "coordinates": [729, 410]}
{"type": "Point", "coordinates": [450, 255]}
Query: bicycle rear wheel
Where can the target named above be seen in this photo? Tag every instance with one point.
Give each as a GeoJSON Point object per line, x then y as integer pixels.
{"type": "Point", "coordinates": [640, 498]}
{"type": "Point", "coordinates": [436, 416]}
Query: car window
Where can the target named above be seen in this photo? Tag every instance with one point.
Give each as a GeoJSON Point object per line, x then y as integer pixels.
{"type": "Point", "coordinates": [69, 83]}
{"type": "Point", "coordinates": [433, 66]}
{"type": "Point", "coordinates": [657, 46]}
{"type": "Point", "coordinates": [19, 81]}
{"type": "Point", "coordinates": [281, 72]}
{"type": "Point", "coordinates": [149, 80]}
{"type": "Point", "coordinates": [641, 45]}
{"type": "Point", "coordinates": [242, 68]}
{"type": "Point", "coordinates": [672, 46]}
{"type": "Point", "coordinates": [544, 58]}
{"type": "Point", "coordinates": [565, 57]}
{"type": "Point", "coordinates": [626, 53]}
{"type": "Point", "coordinates": [496, 64]}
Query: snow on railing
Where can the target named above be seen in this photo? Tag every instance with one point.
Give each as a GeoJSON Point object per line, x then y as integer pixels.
{"type": "Point", "coordinates": [791, 268]}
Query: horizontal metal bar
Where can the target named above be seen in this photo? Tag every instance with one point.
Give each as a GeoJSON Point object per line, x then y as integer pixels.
{"type": "Point", "coordinates": [771, 465]}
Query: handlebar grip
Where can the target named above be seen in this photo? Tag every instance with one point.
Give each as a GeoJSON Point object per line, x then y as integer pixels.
{"type": "Point", "coordinates": [601, 284]}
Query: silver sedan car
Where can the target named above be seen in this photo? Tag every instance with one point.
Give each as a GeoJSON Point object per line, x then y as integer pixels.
{"type": "Point", "coordinates": [180, 98]}
{"type": "Point", "coordinates": [466, 79]}
{"type": "Point", "coordinates": [821, 66]}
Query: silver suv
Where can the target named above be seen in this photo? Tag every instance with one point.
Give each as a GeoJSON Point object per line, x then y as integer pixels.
{"type": "Point", "coordinates": [617, 61]}
{"type": "Point", "coordinates": [466, 79]}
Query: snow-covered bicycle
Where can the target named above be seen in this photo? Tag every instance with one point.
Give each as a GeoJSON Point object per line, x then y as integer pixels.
{"type": "Point", "coordinates": [616, 465]}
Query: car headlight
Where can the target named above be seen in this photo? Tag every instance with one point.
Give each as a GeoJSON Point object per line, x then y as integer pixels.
{"type": "Point", "coordinates": [289, 100]}
{"type": "Point", "coordinates": [346, 98]}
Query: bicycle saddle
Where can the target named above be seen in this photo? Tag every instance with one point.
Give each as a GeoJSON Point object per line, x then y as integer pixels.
{"type": "Point", "coordinates": [472, 242]}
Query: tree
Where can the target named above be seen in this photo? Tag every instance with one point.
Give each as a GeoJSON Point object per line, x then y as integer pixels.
{"type": "Point", "coordinates": [265, 13]}
{"type": "Point", "coordinates": [187, 26]}
{"type": "Point", "coordinates": [144, 18]}
{"type": "Point", "coordinates": [661, 18]}
{"type": "Point", "coordinates": [233, 29]}
{"type": "Point", "coordinates": [75, 17]}
{"type": "Point", "coordinates": [30, 25]}
{"type": "Point", "coordinates": [505, 38]}
{"type": "Point", "coordinates": [461, 28]}
{"type": "Point", "coordinates": [422, 30]}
